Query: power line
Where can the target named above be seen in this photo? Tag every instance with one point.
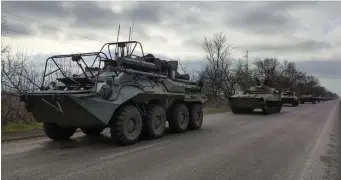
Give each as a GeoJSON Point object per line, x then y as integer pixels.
{"type": "Point", "coordinates": [54, 28]}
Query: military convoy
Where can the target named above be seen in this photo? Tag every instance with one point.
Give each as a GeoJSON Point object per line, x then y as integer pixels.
{"type": "Point", "coordinates": [290, 97]}
{"type": "Point", "coordinates": [132, 95]}
{"type": "Point", "coordinates": [266, 98]}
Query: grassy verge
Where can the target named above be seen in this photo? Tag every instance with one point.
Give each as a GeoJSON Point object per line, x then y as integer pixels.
{"type": "Point", "coordinates": [20, 127]}
{"type": "Point", "coordinates": [213, 110]}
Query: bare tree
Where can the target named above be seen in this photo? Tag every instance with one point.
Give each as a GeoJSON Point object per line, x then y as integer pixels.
{"type": "Point", "coordinates": [217, 74]}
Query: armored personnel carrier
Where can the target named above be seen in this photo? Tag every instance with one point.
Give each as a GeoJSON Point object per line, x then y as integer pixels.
{"type": "Point", "coordinates": [133, 95]}
{"type": "Point", "coordinates": [289, 97]}
{"type": "Point", "coordinates": [266, 98]}
{"type": "Point", "coordinates": [307, 98]}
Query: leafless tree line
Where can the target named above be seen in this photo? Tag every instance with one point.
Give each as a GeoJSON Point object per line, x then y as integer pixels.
{"type": "Point", "coordinates": [225, 77]}
{"type": "Point", "coordinates": [21, 73]}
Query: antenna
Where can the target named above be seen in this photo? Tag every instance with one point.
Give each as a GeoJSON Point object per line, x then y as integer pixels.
{"type": "Point", "coordinates": [118, 35]}
{"type": "Point", "coordinates": [132, 29]}
{"type": "Point", "coordinates": [128, 47]}
{"type": "Point", "coordinates": [247, 69]}
{"type": "Point", "coordinates": [131, 34]}
{"type": "Point", "coordinates": [247, 60]}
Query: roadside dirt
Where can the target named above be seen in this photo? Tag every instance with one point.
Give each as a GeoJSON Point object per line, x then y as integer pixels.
{"type": "Point", "coordinates": [5, 137]}
{"type": "Point", "coordinates": [332, 159]}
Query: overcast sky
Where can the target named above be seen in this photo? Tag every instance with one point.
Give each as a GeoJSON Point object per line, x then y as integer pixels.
{"type": "Point", "coordinates": [308, 33]}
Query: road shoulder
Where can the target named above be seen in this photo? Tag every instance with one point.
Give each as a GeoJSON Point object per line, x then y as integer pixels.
{"type": "Point", "coordinates": [332, 158]}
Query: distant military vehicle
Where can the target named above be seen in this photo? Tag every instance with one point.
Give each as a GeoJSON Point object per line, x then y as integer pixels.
{"type": "Point", "coordinates": [132, 95]}
{"type": "Point", "coordinates": [317, 99]}
{"type": "Point", "coordinates": [260, 96]}
{"type": "Point", "coordinates": [307, 98]}
{"type": "Point", "coordinates": [289, 97]}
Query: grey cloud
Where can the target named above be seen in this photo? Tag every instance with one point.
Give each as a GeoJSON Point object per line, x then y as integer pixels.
{"type": "Point", "coordinates": [298, 46]}
{"type": "Point", "coordinates": [17, 28]}
{"type": "Point", "coordinates": [273, 18]}
{"type": "Point", "coordinates": [322, 68]}
{"type": "Point", "coordinates": [263, 21]}
{"type": "Point", "coordinates": [41, 9]}
{"type": "Point", "coordinates": [289, 5]}
{"type": "Point", "coordinates": [90, 15]}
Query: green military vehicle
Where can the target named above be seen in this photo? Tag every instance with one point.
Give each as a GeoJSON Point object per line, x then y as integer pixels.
{"type": "Point", "coordinates": [133, 95]}
{"type": "Point", "coordinates": [317, 99]}
{"type": "Point", "coordinates": [307, 98]}
{"type": "Point", "coordinates": [266, 98]}
{"type": "Point", "coordinates": [289, 97]}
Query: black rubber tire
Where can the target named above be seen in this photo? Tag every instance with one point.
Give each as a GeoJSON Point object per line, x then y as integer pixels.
{"type": "Point", "coordinates": [247, 110]}
{"type": "Point", "coordinates": [178, 118]}
{"type": "Point", "coordinates": [154, 113]}
{"type": "Point", "coordinates": [294, 104]}
{"type": "Point", "coordinates": [314, 102]}
{"type": "Point", "coordinates": [196, 116]}
{"type": "Point", "coordinates": [279, 107]}
{"type": "Point", "coordinates": [266, 110]}
{"type": "Point", "coordinates": [236, 110]}
{"type": "Point", "coordinates": [119, 131]}
{"type": "Point", "coordinates": [92, 131]}
{"type": "Point", "coordinates": [57, 133]}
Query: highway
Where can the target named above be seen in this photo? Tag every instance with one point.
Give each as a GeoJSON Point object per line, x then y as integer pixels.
{"type": "Point", "coordinates": [297, 144]}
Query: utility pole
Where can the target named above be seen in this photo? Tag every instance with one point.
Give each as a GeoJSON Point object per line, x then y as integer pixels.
{"type": "Point", "coordinates": [247, 61]}
{"type": "Point", "coordinates": [247, 69]}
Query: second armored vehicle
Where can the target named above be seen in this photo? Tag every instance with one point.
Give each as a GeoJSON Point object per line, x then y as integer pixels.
{"type": "Point", "coordinates": [289, 97]}
{"type": "Point", "coordinates": [266, 98]}
{"type": "Point", "coordinates": [307, 98]}
{"type": "Point", "coordinates": [131, 94]}
{"type": "Point", "coordinates": [317, 99]}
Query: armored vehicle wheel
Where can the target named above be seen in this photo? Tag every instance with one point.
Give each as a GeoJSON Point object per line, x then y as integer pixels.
{"type": "Point", "coordinates": [55, 132]}
{"type": "Point", "coordinates": [294, 104]}
{"type": "Point", "coordinates": [155, 122]}
{"type": "Point", "coordinates": [178, 118]}
{"type": "Point", "coordinates": [196, 117]}
{"type": "Point", "coordinates": [236, 110]}
{"type": "Point", "coordinates": [92, 131]}
{"type": "Point", "coordinates": [278, 107]}
{"type": "Point", "coordinates": [247, 110]}
{"type": "Point", "coordinates": [128, 125]}
{"type": "Point", "coordinates": [266, 109]}
{"type": "Point", "coordinates": [314, 102]}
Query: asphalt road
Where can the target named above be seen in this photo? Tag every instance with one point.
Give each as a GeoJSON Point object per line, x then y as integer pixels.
{"type": "Point", "coordinates": [299, 143]}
